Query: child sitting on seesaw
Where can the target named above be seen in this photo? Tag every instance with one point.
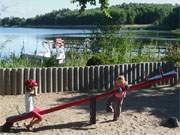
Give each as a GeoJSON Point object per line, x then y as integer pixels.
{"type": "Point", "coordinates": [31, 87]}
{"type": "Point", "coordinates": [114, 103]}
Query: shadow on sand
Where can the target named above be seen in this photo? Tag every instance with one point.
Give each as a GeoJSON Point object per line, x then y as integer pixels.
{"type": "Point", "coordinates": [82, 125]}
{"type": "Point", "coordinates": [163, 101]}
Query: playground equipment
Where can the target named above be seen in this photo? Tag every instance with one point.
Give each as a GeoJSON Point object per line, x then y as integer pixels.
{"type": "Point", "coordinates": [90, 100]}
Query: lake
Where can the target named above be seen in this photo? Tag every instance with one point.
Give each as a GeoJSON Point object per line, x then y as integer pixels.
{"type": "Point", "coordinates": [12, 40]}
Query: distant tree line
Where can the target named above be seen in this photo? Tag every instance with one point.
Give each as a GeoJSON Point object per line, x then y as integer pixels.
{"type": "Point", "coordinates": [166, 15]}
{"type": "Point", "coordinates": [173, 19]}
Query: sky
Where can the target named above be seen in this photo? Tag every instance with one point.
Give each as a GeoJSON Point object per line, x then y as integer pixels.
{"type": "Point", "coordinates": [31, 8]}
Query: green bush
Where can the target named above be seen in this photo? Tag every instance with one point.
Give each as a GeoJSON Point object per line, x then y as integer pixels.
{"type": "Point", "coordinates": [51, 62]}
{"type": "Point", "coordinates": [95, 60]}
{"type": "Point", "coordinates": [173, 55]}
{"type": "Point", "coordinates": [18, 62]}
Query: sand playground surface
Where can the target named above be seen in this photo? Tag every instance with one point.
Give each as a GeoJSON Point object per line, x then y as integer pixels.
{"type": "Point", "coordinates": [142, 114]}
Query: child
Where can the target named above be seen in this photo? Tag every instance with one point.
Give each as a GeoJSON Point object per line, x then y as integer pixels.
{"type": "Point", "coordinates": [115, 102]}
{"type": "Point", "coordinates": [31, 87]}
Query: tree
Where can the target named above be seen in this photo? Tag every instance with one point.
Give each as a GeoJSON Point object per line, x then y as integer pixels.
{"type": "Point", "coordinates": [104, 5]}
{"type": "Point", "coordinates": [172, 20]}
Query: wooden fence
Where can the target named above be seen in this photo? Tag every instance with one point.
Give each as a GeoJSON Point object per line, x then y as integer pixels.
{"type": "Point", "coordinates": [59, 79]}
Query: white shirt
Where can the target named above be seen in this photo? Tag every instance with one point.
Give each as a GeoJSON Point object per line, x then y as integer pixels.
{"type": "Point", "coordinates": [28, 102]}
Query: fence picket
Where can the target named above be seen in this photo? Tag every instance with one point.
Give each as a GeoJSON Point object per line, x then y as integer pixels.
{"type": "Point", "coordinates": [20, 81]}
{"type": "Point", "coordinates": [7, 82]}
{"type": "Point", "coordinates": [70, 79]}
{"type": "Point", "coordinates": [60, 79]}
{"type": "Point", "coordinates": [2, 89]}
{"type": "Point", "coordinates": [81, 79]}
{"type": "Point", "coordinates": [14, 81]}
{"type": "Point", "coordinates": [54, 80]}
{"type": "Point", "coordinates": [38, 79]}
{"type": "Point", "coordinates": [101, 77]}
{"type": "Point", "coordinates": [91, 78]}
{"type": "Point", "coordinates": [107, 77]}
{"type": "Point", "coordinates": [86, 78]}
{"type": "Point", "coordinates": [44, 80]}
{"type": "Point", "coordinates": [76, 78]}
{"type": "Point", "coordinates": [96, 77]}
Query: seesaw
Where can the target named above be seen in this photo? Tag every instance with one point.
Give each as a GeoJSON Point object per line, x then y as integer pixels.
{"type": "Point", "coordinates": [89, 100]}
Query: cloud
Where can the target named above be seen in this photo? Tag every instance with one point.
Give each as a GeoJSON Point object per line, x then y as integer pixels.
{"type": "Point", "coordinates": [6, 5]}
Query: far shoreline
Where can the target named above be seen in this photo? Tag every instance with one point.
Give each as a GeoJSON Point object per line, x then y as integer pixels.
{"type": "Point", "coordinates": [127, 26]}
{"type": "Point", "coordinates": [95, 27]}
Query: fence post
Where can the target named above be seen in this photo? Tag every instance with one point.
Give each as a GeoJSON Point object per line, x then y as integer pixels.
{"type": "Point", "coordinates": [178, 74]}
{"type": "Point", "coordinates": [38, 79]}
{"type": "Point", "coordinates": [163, 67]}
{"type": "Point", "coordinates": [70, 79]}
{"type": "Point", "coordinates": [33, 73]}
{"type": "Point", "coordinates": [146, 69]}
{"type": "Point", "coordinates": [14, 81]}
{"type": "Point", "coordinates": [20, 81]}
{"type": "Point", "coordinates": [125, 69]}
{"type": "Point", "coordinates": [76, 78]}
{"type": "Point", "coordinates": [107, 77]}
{"type": "Point", "coordinates": [86, 78]}
{"type": "Point", "coordinates": [150, 68]}
{"type": "Point", "coordinates": [116, 71]}
{"type": "Point", "coordinates": [7, 81]}
{"type": "Point", "coordinates": [2, 91]}
{"type": "Point", "coordinates": [26, 74]}
{"type": "Point", "coordinates": [44, 81]}
{"type": "Point", "coordinates": [91, 78]}
{"type": "Point", "coordinates": [65, 78]}
{"type": "Point", "coordinates": [49, 79]}
{"type": "Point", "coordinates": [93, 110]}
{"type": "Point", "coordinates": [96, 77]}
{"type": "Point", "coordinates": [137, 73]}
{"type": "Point", "coordinates": [159, 67]}
{"type": "Point", "coordinates": [101, 77]}
{"type": "Point", "coordinates": [134, 74]}
{"type": "Point", "coordinates": [60, 80]}
{"type": "Point", "coordinates": [142, 71]}
{"type": "Point", "coordinates": [130, 73]}
{"type": "Point", "coordinates": [172, 66]}
{"type": "Point", "coordinates": [81, 78]}
{"type": "Point", "coordinates": [121, 70]}
{"type": "Point", "coordinates": [54, 80]}
{"type": "Point", "coordinates": [112, 74]}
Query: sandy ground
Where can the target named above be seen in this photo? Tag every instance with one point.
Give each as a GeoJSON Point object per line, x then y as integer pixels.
{"type": "Point", "coordinates": [142, 113]}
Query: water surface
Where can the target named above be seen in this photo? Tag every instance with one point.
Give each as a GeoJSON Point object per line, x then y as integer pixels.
{"type": "Point", "coordinates": [12, 40]}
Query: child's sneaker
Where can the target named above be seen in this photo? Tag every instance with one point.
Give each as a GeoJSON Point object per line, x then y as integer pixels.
{"type": "Point", "coordinates": [28, 127]}
{"type": "Point", "coordinates": [109, 109]}
{"type": "Point", "coordinates": [115, 119]}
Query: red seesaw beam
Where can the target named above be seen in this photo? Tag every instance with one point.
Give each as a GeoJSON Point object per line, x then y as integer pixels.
{"type": "Point", "coordinates": [146, 83]}
{"type": "Point", "coordinates": [153, 80]}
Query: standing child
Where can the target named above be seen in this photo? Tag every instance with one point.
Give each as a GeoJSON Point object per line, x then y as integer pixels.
{"type": "Point", "coordinates": [31, 87]}
{"type": "Point", "coordinates": [114, 103]}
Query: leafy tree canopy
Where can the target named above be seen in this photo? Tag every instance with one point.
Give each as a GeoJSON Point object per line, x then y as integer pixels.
{"type": "Point", "coordinates": [104, 5]}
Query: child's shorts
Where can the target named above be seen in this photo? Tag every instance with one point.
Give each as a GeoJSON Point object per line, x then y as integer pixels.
{"type": "Point", "coordinates": [36, 113]}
